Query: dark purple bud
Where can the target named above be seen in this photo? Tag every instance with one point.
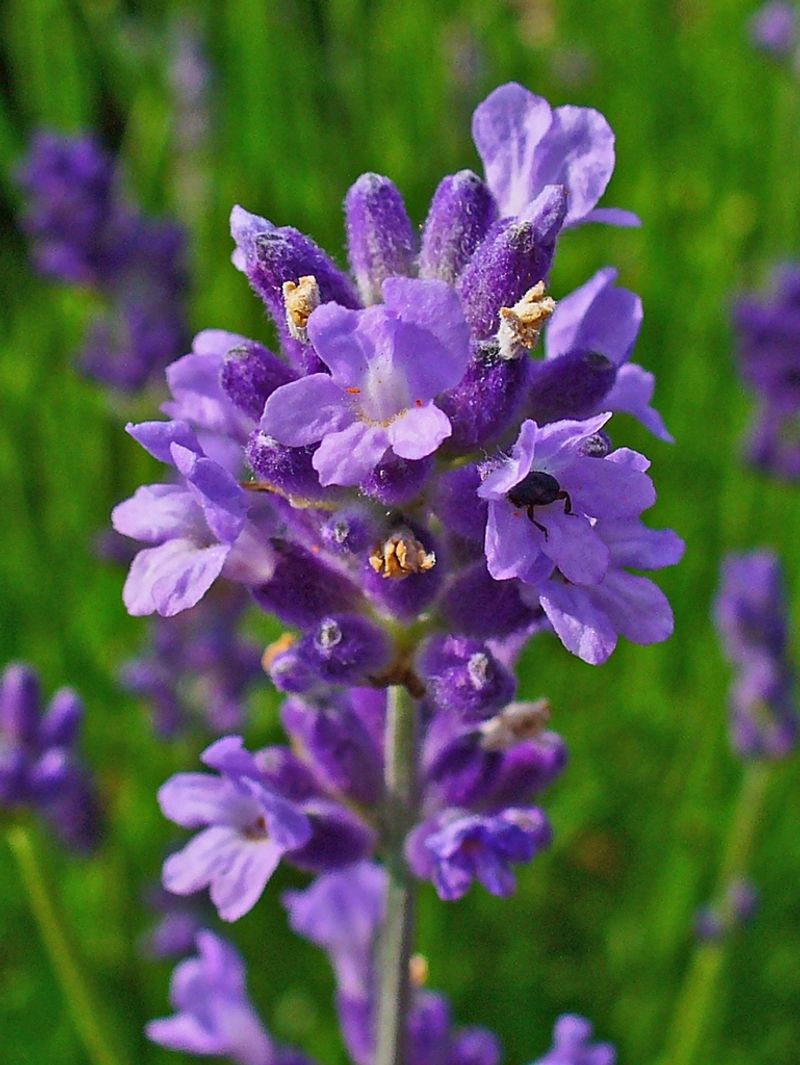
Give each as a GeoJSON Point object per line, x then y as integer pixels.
{"type": "Point", "coordinates": [571, 386]}
{"type": "Point", "coordinates": [338, 838]}
{"type": "Point", "coordinates": [462, 676]}
{"type": "Point", "coordinates": [75, 813]}
{"type": "Point", "coordinates": [474, 1046]}
{"type": "Point", "coordinates": [406, 598]}
{"type": "Point", "coordinates": [528, 768]}
{"type": "Point", "coordinates": [349, 532]}
{"type": "Point", "coordinates": [290, 672]}
{"type": "Point", "coordinates": [340, 751]}
{"type": "Point", "coordinates": [249, 376]}
{"type": "Point", "coordinates": [428, 1029]}
{"type": "Point", "coordinates": [59, 727]}
{"type": "Point", "coordinates": [514, 256]}
{"type": "Point", "coordinates": [20, 704]}
{"type": "Point", "coordinates": [396, 481]}
{"type": "Point", "coordinates": [303, 589]}
{"type": "Point", "coordinates": [461, 212]}
{"type": "Point", "coordinates": [14, 775]}
{"type": "Point", "coordinates": [269, 256]}
{"type": "Point", "coordinates": [458, 771]}
{"type": "Point", "coordinates": [288, 469]}
{"type": "Point", "coordinates": [381, 241]}
{"type": "Point", "coordinates": [346, 649]}
{"type": "Point", "coordinates": [487, 399]}
{"type": "Point", "coordinates": [457, 504]}
{"type": "Point", "coordinates": [477, 605]}
{"type": "Point", "coordinates": [50, 774]}
{"type": "Point", "coordinates": [284, 772]}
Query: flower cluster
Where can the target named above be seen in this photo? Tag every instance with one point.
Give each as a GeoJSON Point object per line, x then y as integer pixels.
{"type": "Point", "coordinates": [84, 232]}
{"type": "Point", "coordinates": [768, 340]}
{"type": "Point", "coordinates": [414, 494]}
{"type": "Point", "coordinates": [752, 616]}
{"type": "Point", "coordinates": [39, 768]}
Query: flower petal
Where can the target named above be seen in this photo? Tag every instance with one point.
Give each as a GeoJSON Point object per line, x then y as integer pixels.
{"type": "Point", "coordinates": [158, 512]}
{"type": "Point", "coordinates": [578, 151]}
{"type": "Point", "coordinates": [348, 456]}
{"type": "Point", "coordinates": [614, 216]}
{"type": "Point", "coordinates": [632, 544]}
{"type": "Point", "coordinates": [583, 628]}
{"type": "Point", "coordinates": [601, 488]}
{"type": "Point", "coordinates": [636, 607]}
{"type": "Point", "coordinates": [596, 317]}
{"type": "Point", "coordinates": [192, 799]}
{"type": "Point", "coordinates": [419, 431]}
{"type": "Point", "coordinates": [192, 868]}
{"type": "Point", "coordinates": [223, 501]}
{"type": "Point", "coordinates": [157, 437]}
{"type": "Point", "coordinates": [185, 1032]}
{"type": "Point", "coordinates": [514, 545]}
{"type": "Point", "coordinates": [631, 394]}
{"type": "Point", "coordinates": [305, 411]}
{"type": "Point", "coordinates": [171, 577]}
{"type": "Point", "coordinates": [341, 343]}
{"type": "Point", "coordinates": [237, 887]}
{"type": "Point", "coordinates": [573, 545]}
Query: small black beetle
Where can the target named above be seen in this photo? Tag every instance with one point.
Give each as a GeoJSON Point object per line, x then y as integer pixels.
{"type": "Point", "coordinates": [537, 489]}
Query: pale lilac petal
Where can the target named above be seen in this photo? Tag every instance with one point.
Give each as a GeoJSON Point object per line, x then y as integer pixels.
{"type": "Point", "coordinates": [596, 317]}
{"type": "Point", "coordinates": [237, 887]}
{"type": "Point", "coordinates": [419, 431]}
{"type": "Point", "coordinates": [305, 411]}
{"type": "Point", "coordinates": [193, 868]}
{"type": "Point", "coordinates": [344, 347]}
{"type": "Point", "coordinates": [511, 471]}
{"type": "Point", "coordinates": [157, 512]}
{"type": "Point", "coordinates": [433, 307]}
{"type": "Point", "coordinates": [347, 457]}
{"type": "Point", "coordinates": [633, 544]}
{"type": "Point", "coordinates": [573, 545]}
{"type": "Point", "coordinates": [631, 394]}
{"type": "Point", "coordinates": [579, 624]}
{"type": "Point", "coordinates": [192, 799]}
{"type": "Point", "coordinates": [157, 437]}
{"type": "Point", "coordinates": [614, 216]}
{"type": "Point", "coordinates": [288, 826]}
{"type": "Point", "coordinates": [223, 500]}
{"type": "Point", "coordinates": [172, 577]}
{"type": "Point", "coordinates": [514, 545]}
{"type": "Point", "coordinates": [251, 559]}
{"type": "Point", "coordinates": [601, 488]}
{"type": "Point", "coordinates": [556, 443]}
{"type": "Point", "coordinates": [184, 1032]}
{"type": "Point", "coordinates": [507, 128]}
{"type": "Point", "coordinates": [578, 152]}
{"type": "Point", "coordinates": [636, 607]}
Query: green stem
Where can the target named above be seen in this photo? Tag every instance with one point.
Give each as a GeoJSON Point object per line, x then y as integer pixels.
{"type": "Point", "coordinates": [696, 997]}
{"type": "Point", "coordinates": [398, 931]}
{"type": "Point", "coordinates": [77, 995]}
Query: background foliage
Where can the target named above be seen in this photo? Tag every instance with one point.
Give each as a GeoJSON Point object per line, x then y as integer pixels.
{"type": "Point", "coordinates": [305, 96]}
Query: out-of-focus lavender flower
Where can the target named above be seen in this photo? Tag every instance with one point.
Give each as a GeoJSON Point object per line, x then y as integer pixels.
{"type": "Point", "coordinates": [197, 667]}
{"type": "Point", "coordinates": [525, 144]}
{"type": "Point", "coordinates": [767, 330]}
{"type": "Point", "coordinates": [572, 1044]}
{"type": "Point", "coordinates": [84, 232]}
{"type": "Point", "coordinates": [773, 28]}
{"type": "Point", "coordinates": [738, 907]}
{"type": "Point", "coordinates": [179, 921]}
{"type": "Point", "coordinates": [39, 766]}
{"type": "Point", "coordinates": [213, 1014]}
{"type": "Point", "coordinates": [751, 615]}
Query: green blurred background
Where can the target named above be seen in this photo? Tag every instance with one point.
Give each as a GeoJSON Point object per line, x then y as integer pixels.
{"type": "Point", "coordinates": [304, 96]}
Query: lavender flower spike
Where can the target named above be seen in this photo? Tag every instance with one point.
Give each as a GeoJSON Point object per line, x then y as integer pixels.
{"type": "Point", "coordinates": [214, 1015]}
{"type": "Point", "coordinates": [525, 145]}
{"type": "Point", "coordinates": [387, 364]}
{"type": "Point", "coordinates": [572, 1046]}
{"type": "Point", "coordinates": [247, 828]}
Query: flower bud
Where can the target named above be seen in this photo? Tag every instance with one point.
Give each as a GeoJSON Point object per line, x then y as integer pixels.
{"type": "Point", "coordinates": [477, 605]}
{"type": "Point", "coordinates": [20, 701]}
{"type": "Point", "coordinates": [571, 386]}
{"type": "Point", "coordinates": [381, 240]}
{"type": "Point", "coordinates": [515, 255]}
{"type": "Point", "coordinates": [286, 774]}
{"type": "Point", "coordinates": [59, 727]}
{"type": "Point", "coordinates": [288, 469]}
{"type": "Point", "coordinates": [249, 376]}
{"type": "Point", "coordinates": [487, 399]}
{"type": "Point", "coordinates": [303, 589]}
{"type": "Point", "coordinates": [396, 481]}
{"type": "Point", "coordinates": [346, 649]}
{"type": "Point", "coordinates": [338, 838]}
{"type": "Point", "coordinates": [463, 676]}
{"type": "Point", "coordinates": [528, 768]}
{"type": "Point", "coordinates": [461, 212]}
{"type": "Point", "coordinates": [457, 504]}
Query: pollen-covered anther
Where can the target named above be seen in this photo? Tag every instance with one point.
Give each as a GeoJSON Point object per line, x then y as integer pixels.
{"type": "Point", "coordinates": [300, 298]}
{"type": "Point", "coordinates": [401, 555]}
{"type": "Point", "coordinates": [275, 649]}
{"type": "Point", "coordinates": [515, 723]}
{"type": "Point", "coordinates": [521, 324]}
{"type": "Point", "coordinates": [418, 970]}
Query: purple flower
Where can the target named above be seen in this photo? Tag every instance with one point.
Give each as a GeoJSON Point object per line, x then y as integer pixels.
{"type": "Point", "coordinates": [599, 317]}
{"type": "Point", "coordinates": [247, 828]}
{"type": "Point", "coordinates": [572, 1045]}
{"type": "Point", "coordinates": [525, 144]}
{"type": "Point", "coordinates": [197, 527]}
{"type": "Point", "coordinates": [213, 1014]}
{"type": "Point", "coordinates": [589, 618]}
{"type": "Point", "coordinates": [387, 364]}
{"type": "Point", "coordinates": [773, 28]}
{"type": "Point", "coordinates": [544, 498]}
{"type": "Point", "coordinates": [454, 848]}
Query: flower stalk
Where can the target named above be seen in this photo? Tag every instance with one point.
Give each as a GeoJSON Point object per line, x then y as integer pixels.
{"type": "Point", "coordinates": [398, 932]}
